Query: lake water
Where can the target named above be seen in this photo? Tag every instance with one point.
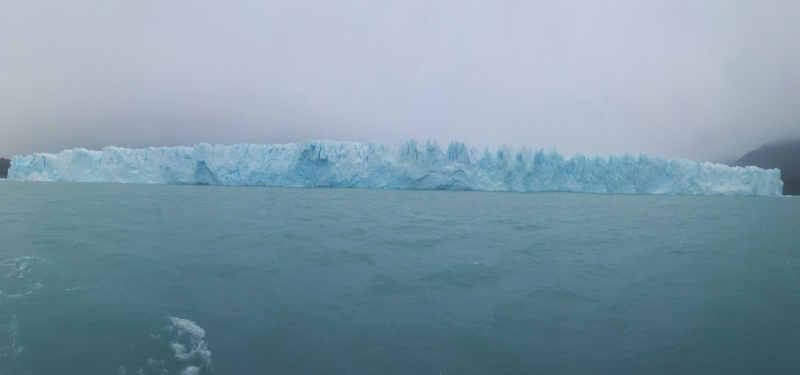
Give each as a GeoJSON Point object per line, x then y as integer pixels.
{"type": "Point", "coordinates": [153, 279]}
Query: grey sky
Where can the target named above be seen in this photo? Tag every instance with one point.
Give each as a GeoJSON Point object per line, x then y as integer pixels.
{"type": "Point", "coordinates": [703, 80]}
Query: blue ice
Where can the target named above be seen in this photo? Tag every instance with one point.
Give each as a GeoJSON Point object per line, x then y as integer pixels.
{"type": "Point", "coordinates": [381, 166]}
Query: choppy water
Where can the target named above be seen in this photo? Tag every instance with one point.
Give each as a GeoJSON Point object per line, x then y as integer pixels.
{"type": "Point", "coordinates": [136, 279]}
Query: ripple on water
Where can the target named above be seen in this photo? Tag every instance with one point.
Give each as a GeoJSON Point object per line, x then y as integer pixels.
{"type": "Point", "coordinates": [384, 284]}
{"type": "Point", "coordinates": [21, 276]}
{"type": "Point", "coordinates": [466, 275]}
{"type": "Point", "coordinates": [10, 345]}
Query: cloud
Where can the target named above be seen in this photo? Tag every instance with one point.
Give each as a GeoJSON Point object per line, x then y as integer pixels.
{"type": "Point", "coordinates": [705, 81]}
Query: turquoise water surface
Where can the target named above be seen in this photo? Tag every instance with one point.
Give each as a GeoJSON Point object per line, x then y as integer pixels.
{"type": "Point", "coordinates": [157, 279]}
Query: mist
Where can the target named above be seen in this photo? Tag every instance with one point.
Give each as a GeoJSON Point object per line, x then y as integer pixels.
{"type": "Point", "coordinates": [706, 81]}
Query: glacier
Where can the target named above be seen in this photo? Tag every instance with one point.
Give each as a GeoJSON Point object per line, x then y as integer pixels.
{"type": "Point", "coordinates": [413, 165]}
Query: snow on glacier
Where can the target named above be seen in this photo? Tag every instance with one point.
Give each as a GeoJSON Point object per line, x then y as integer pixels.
{"type": "Point", "coordinates": [412, 166]}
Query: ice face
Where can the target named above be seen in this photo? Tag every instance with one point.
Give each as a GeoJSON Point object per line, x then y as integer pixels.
{"type": "Point", "coordinates": [411, 166]}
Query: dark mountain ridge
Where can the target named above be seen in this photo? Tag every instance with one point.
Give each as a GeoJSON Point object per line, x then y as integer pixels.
{"type": "Point", "coordinates": [784, 155]}
{"type": "Point", "coordinates": [4, 165]}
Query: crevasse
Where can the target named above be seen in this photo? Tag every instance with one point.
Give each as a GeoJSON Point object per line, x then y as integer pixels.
{"type": "Point", "coordinates": [411, 166]}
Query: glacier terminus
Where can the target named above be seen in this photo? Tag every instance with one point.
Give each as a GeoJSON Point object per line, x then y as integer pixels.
{"type": "Point", "coordinates": [413, 165]}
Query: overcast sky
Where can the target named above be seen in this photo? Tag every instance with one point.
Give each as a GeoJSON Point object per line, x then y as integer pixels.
{"type": "Point", "coordinates": [701, 80]}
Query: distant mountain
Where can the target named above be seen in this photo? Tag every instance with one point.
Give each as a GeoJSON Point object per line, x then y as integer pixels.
{"type": "Point", "coordinates": [783, 155]}
{"type": "Point", "coordinates": [4, 165]}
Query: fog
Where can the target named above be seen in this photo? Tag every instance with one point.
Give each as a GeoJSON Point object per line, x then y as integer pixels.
{"type": "Point", "coordinates": [707, 81]}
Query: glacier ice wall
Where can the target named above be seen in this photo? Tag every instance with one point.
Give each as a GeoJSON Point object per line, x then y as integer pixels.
{"type": "Point", "coordinates": [411, 166]}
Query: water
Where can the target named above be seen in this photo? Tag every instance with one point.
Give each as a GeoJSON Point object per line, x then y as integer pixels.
{"type": "Point", "coordinates": [137, 279]}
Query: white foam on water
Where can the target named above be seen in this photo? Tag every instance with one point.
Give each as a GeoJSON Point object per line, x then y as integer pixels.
{"type": "Point", "coordinates": [158, 365]}
{"type": "Point", "coordinates": [81, 288]}
{"type": "Point", "coordinates": [186, 340]}
{"type": "Point", "coordinates": [19, 267]}
{"type": "Point", "coordinates": [21, 276]}
{"type": "Point", "coordinates": [187, 326]}
{"type": "Point", "coordinates": [195, 348]}
{"type": "Point", "coordinates": [12, 330]}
